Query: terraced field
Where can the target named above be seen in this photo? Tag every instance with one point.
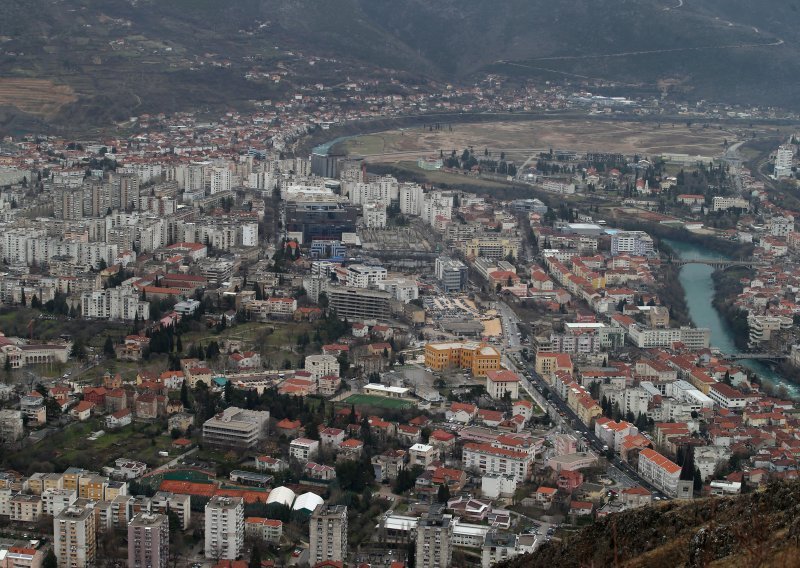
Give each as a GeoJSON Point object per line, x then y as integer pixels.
{"type": "Point", "coordinates": [35, 96]}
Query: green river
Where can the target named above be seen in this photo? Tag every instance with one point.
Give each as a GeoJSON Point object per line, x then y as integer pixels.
{"type": "Point", "coordinates": [699, 288]}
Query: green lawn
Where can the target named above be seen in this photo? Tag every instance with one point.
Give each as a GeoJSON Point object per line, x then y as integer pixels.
{"type": "Point", "coordinates": [377, 401]}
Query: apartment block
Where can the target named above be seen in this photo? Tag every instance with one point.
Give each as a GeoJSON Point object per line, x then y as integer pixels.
{"type": "Point", "coordinates": [75, 538]}
{"type": "Point", "coordinates": [224, 528]}
{"type": "Point", "coordinates": [328, 534]}
{"type": "Point", "coordinates": [148, 541]}
{"type": "Point", "coordinates": [434, 546]}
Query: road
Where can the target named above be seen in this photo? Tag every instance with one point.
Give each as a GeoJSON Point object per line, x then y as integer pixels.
{"type": "Point", "coordinates": [564, 417]}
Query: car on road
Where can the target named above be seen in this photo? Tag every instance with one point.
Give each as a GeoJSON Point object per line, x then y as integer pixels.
{"type": "Point", "coordinates": [297, 552]}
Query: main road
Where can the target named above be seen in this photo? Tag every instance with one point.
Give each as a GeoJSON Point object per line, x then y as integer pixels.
{"type": "Point", "coordinates": [557, 409]}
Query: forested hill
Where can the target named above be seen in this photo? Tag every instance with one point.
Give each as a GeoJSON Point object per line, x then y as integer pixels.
{"type": "Point", "coordinates": [126, 57]}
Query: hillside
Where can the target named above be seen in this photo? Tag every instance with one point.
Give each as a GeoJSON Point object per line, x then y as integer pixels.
{"type": "Point", "coordinates": [118, 58]}
{"type": "Point", "coordinates": [757, 529]}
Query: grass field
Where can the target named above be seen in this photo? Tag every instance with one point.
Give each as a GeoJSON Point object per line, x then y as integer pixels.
{"type": "Point", "coordinates": [377, 401]}
{"type": "Point", "coordinates": [520, 140]}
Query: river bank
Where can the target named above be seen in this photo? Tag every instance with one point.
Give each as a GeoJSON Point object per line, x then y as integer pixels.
{"type": "Point", "coordinates": [699, 290]}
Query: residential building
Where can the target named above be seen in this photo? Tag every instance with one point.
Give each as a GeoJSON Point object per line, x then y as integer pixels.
{"type": "Point", "coordinates": [224, 528]}
{"type": "Point", "coordinates": [265, 530]}
{"type": "Point", "coordinates": [25, 508]}
{"type": "Point", "coordinates": [434, 546]}
{"type": "Point", "coordinates": [328, 534]}
{"type": "Point", "coordinates": [634, 243]}
{"type": "Point", "coordinates": [660, 471]}
{"type": "Point", "coordinates": [303, 449]}
{"type": "Point", "coordinates": [498, 547]}
{"type": "Point", "coordinates": [148, 541]}
{"type": "Point", "coordinates": [75, 537]}
{"type": "Point", "coordinates": [321, 365]}
{"type": "Point", "coordinates": [488, 458]}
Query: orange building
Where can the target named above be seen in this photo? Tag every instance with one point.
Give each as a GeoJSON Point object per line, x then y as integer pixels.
{"type": "Point", "coordinates": [478, 358]}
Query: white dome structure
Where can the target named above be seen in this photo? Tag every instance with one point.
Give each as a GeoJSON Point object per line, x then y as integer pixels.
{"type": "Point", "coordinates": [282, 495]}
{"type": "Point", "coordinates": [308, 501]}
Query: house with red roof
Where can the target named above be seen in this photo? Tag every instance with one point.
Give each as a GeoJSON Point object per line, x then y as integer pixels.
{"type": "Point", "coordinates": [82, 411]}
{"type": "Point", "coordinates": [568, 481]}
{"type": "Point", "coordinates": [490, 418]}
{"type": "Point", "coordinates": [119, 419]}
{"type": "Point", "coordinates": [544, 496]}
{"type": "Point", "coordinates": [461, 412]}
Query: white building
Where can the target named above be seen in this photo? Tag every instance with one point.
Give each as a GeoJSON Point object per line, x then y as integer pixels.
{"type": "Point", "coordinates": [402, 289]}
{"type": "Point", "coordinates": [500, 382]}
{"type": "Point", "coordinates": [364, 276]}
{"type": "Point", "coordinates": [375, 215]}
{"type": "Point", "coordinates": [121, 303]}
{"type": "Point", "coordinates": [659, 471]}
{"type": "Point", "coordinates": [220, 179]}
{"type": "Point", "coordinates": [636, 243]}
{"type": "Point", "coordinates": [495, 485]}
{"type": "Point", "coordinates": [236, 428]}
{"type": "Point", "coordinates": [784, 159]}
{"type": "Point", "coordinates": [411, 199]}
{"type": "Point", "coordinates": [321, 365]}
{"type": "Point", "coordinates": [303, 449]}
{"type": "Point", "coordinates": [490, 459]}
{"type": "Point", "coordinates": [693, 338]}
{"type": "Point", "coordinates": [224, 528]}
{"type": "Point", "coordinates": [721, 203]}
{"type": "Point", "coordinates": [498, 547]}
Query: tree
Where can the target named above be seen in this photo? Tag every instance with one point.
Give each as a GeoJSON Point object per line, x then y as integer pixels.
{"type": "Point", "coordinates": [50, 560]}
{"type": "Point", "coordinates": [443, 494]}
{"type": "Point", "coordinates": [108, 347]}
{"type": "Point", "coordinates": [179, 345]}
{"type": "Point", "coordinates": [36, 304]}
{"type": "Point", "coordinates": [212, 351]}
{"type": "Point", "coordinates": [185, 395]}
{"type": "Point", "coordinates": [353, 476]}
{"type": "Point", "coordinates": [23, 300]}
{"type": "Point", "coordinates": [255, 557]}
{"type": "Point", "coordinates": [78, 350]}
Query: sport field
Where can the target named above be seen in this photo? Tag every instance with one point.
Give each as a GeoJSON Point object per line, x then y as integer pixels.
{"type": "Point", "coordinates": [377, 401]}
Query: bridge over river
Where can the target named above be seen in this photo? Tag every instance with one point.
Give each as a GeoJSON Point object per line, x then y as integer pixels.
{"type": "Point", "coordinates": [720, 264]}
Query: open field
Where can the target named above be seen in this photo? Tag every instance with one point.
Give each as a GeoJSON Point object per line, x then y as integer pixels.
{"type": "Point", "coordinates": [36, 96]}
{"type": "Point", "coordinates": [71, 446]}
{"type": "Point", "coordinates": [377, 401]}
{"type": "Point", "coordinates": [519, 140]}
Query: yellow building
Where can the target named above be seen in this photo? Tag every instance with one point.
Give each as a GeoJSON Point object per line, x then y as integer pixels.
{"type": "Point", "coordinates": [492, 247]}
{"type": "Point", "coordinates": [92, 487]}
{"type": "Point", "coordinates": [71, 477]}
{"type": "Point", "coordinates": [478, 358]}
{"type": "Point", "coordinates": [548, 363]}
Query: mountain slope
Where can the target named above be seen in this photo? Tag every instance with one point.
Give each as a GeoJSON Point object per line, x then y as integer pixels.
{"type": "Point", "coordinates": [758, 529]}
{"type": "Point", "coordinates": [127, 57]}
